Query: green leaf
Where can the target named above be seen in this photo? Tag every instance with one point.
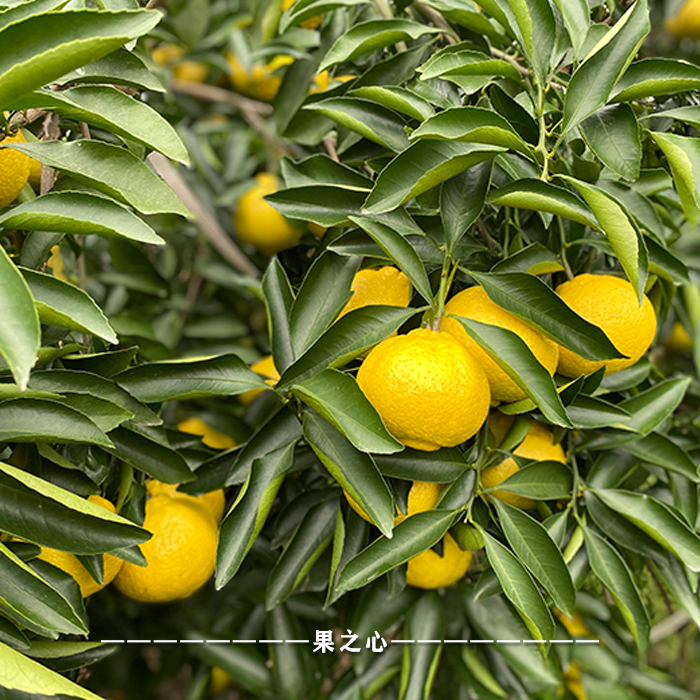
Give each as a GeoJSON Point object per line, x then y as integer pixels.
{"type": "Point", "coordinates": [110, 109]}
{"type": "Point", "coordinates": [589, 412]}
{"type": "Point", "coordinates": [302, 10]}
{"type": "Point", "coordinates": [247, 516]}
{"type": "Point", "coordinates": [541, 481]}
{"type": "Point", "coordinates": [529, 298]}
{"type": "Point", "coordinates": [422, 166]}
{"type": "Point", "coordinates": [63, 305]}
{"type": "Point", "coordinates": [37, 511]}
{"type": "Point", "coordinates": [658, 521]}
{"type": "Point", "coordinates": [309, 541]}
{"type": "Point", "coordinates": [366, 37]}
{"type": "Point", "coordinates": [225, 375]}
{"type": "Point", "coordinates": [653, 406]}
{"type": "Point", "coordinates": [279, 301]}
{"type": "Point", "coordinates": [611, 569]}
{"type": "Point", "coordinates": [321, 297]}
{"type": "Point", "coordinates": [683, 155]}
{"type": "Point", "coordinates": [625, 239]}
{"type": "Point", "coordinates": [69, 656]}
{"type": "Point", "coordinates": [372, 121]}
{"type": "Point", "coordinates": [520, 589]}
{"type": "Point", "coordinates": [325, 205]}
{"type": "Point", "coordinates": [687, 115]}
{"type": "Point", "coordinates": [453, 63]}
{"type": "Point", "coordinates": [399, 99]}
{"type": "Point", "coordinates": [103, 413]}
{"type": "Point", "coordinates": [399, 250]}
{"type": "Point", "coordinates": [675, 577]}
{"type": "Point", "coordinates": [36, 51]}
{"type": "Point", "coordinates": [412, 537]}
{"type": "Point", "coordinates": [28, 420]}
{"type": "Point", "coordinates": [12, 14]}
{"type": "Point", "coordinates": [536, 549]}
{"type": "Point", "coordinates": [20, 332]}
{"type": "Point", "coordinates": [576, 16]}
{"type": "Point", "coordinates": [537, 29]}
{"type": "Point", "coordinates": [515, 358]}
{"type": "Point", "coordinates": [320, 169]}
{"type": "Point", "coordinates": [651, 77]}
{"type": "Point", "coordinates": [354, 471]}
{"type": "Point", "coordinates": [79, 213]}
{"type": "Point", "coordinates": [593, 81]}
{"type": "Point", "coordinates": [347, 338]}
{"type": "Point", "coordinates": [338, 398]}
{"type": "Point", "coordinates": [444, 465]}
{"type": "Point", "coordinates": [613, 134]}
{"type": "Point", "coordinates": [543, 196]}
{"type": "Point", "coordinates": [471, 125]}
{"type": "Point", "coordinates": [109, 169]}
{"type": "Point", "coordinates": [462, 200]}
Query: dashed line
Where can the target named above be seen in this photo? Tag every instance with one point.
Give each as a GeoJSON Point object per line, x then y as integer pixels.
{"type": "Point", "coordinates": [307, 641]}
{"type": "Point", "coordinates": [217, 641]}
{"type": "Point", "coordinates": [297, 641]}
{"type": "Point", "coordinates": [428, 641]}
{"type": "Point", "coordinates": [508, 641]}
{"type": "Point", "coordinates": [403, 641]}
{"type": "Point", "coordinates": [271, 641]}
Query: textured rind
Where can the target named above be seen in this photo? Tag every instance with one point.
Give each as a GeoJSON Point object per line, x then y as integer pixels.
{"type": "Point", "coordinates": [429, 391]}
{"type": "Point", "coordinates": [213, 502]}
{"type": "Point", "coordinates": [14, 169]}
{"type": "Point", "coordinates": [429, 570]}
{"type": "Point", "coordinates": [421, 497]}
{"type": "Point", "coordinates": [475, 304]}
{"type": "Point", "coordinates": [611, 304]}
{"type": "Point", "coordinates": [379, 285]}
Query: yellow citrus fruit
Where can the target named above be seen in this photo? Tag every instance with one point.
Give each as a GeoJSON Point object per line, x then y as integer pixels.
{"type": "Point", "coordinates": [14, 169]}
{"type": "Point", "coordinates": [538, 445]}
{"type": "Point", "coordinates": [261, 82]}
{"type": "Point", "coordinates": [167, 54]}
{"type": "Point", "coordinates": [219, 681]}
{"type": "Point", "coordinates": [317, 230]}
{"type": "Point", "coordinates": [265, 368]}
{"type": "Point", "coordinates": [71, 564]}
{"type": "Point", "coordinates": [430, 570]}
{"type": "Point", "coordinates": [210, 437]}
{"type": "Point", "coordinates": [55, 262]}
{"type": "Point", "coordinates": [611, 304]}
{"type": "Point", "coordinates": [574, 625]}
{"type": "Point", "coordinates": [171, 56]}
{"type": "Point", "coordinates": [213, 502]}
{"type": "Point", "coordinates": [686, 22]}
{"type": "Point", "coordinates": [379, 285]}
{"type": "Point", "coordinates": [34, 174]}
{"type": "Point", "coordinates": [259, 223]}
{"type": "Point", "coordinates": [324, 80]}
{"type": "Point", "coordinates": [572, 680]}
{"type": "Point", "coordinates": [422, 496]}
{"type": "Point", "coordinates": [311, 23]}
{"type": "Point", "coordinates": [679, 341]}
{"type": "Point", "coordinates": [475, 304]}
{"type": "Point", "coordinates": [429, 391]}
{"type": "Point", "coordinates": [181, 555]}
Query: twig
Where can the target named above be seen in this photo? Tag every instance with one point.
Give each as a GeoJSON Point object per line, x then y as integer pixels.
{"type": "Point", "coordinates": [659, 585]}
{"type": "Point", "coordinates": [84, 130]}
{"type": "Point", "coordinates": [50, 131]}
{"type": "Point", "coordinates": [154, 4]}
{"type": "Point", "coordinates": [438, 20]}
{"type": "Point", "coordinates": [507, 57]}
{"type": "Point", "coordinates": [204, 221]}
{"type": "Point", "coordinates": [329, 145]}
{"type": "Point", "coordinates": [672, 624]}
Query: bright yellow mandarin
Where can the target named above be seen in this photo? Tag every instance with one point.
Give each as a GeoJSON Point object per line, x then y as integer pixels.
{"type": "Point", "coordinates": [259, 223]}
{"type": "Point", "coordinates": [34, 174]}
{"type": "Point", "coordinates": [213, 502]}
{"type": "Point", "coordinates": [71, 564]}
{"type": "Point", "coordinates": [265, 368]}
{"type": "Point", "coordinates": [14, 169]}
{"type": "Point", "coordinates": [574, 625]}
{"type": "Point", "coordinates": [686, 22]}
{"type": "Point", "coordinates": [429, 391]}
{"type": "Point", "coordinates": [219, 681]}
{"type": "Point", "coordinates": [475, 304]}
{"type": "Point", "coordinates": [429, 570]}
{"type": "Point", "coordinates": [311, 23]}
{"type": "Point", "coordinates": [422, 496]}
{"type": "Point", "coordinates": [324, 80]}
{"type": "Point", "coordinates": [317, 230]}
{"type": "Point", "coordinates": [538, 445]}
{"type": "Point", "coordinates": [169, 55]}
{"type": "Point", "coordinates": [378, 286]}
{"type": "Point", "coordinates": [181, 555]}
{"type": "Point", "coordinates": [210, 437]}
{"type": "Point", "coordinates": [679, 341]}
{"type": "Point", "coordinates": [261, 83]}
{"type": "Point", "coordinates": [55, 262]}
{"type": "Point", "coordinates": [572, 680]}
{"type": "Point", "coordinates": [611, 304]}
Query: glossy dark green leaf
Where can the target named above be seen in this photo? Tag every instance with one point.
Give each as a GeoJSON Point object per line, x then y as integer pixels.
{"type": "Point", "coordinates": [536, 27]}
{"type": "Point", "coordinates": [614, 574]}
{"type": "Point", "coordinates": [535, 259]}
{"type": "Point", "coordinates": [225, 375]}
{"type": "Point", "coordinates": [400, 99]}
{"type": "Point", "coordinates": [338, 398]}
{"type": "Point", "coordinates": [455, 65]}
{"type": "Point", "coordinates": [322, 204]}
{"type": "Point", "coordinates": [321, 169]}
{"type": "Point", "coordinates": [302, 10]}
{"type": "Point", "coordinates": [588, 412]}
{"type": "Point", "coordinates": [675, 577]}
{"type": "Point", "coordinates": [593, 81]}
{"type": "Point", "coordinates": [279, 301]}
{"type": "Point", "coordinates": [444, 465]}
{"type": "Point", "coordinates": [656, 76]}
{"type": "Point", "coordinates": [102, 412]}
{"type": "Point", "coordinates": [106, 364]}
{"type": "Point", "coordinates": [542, 481]}
{"type": "Point", "coordinates": [354, 471]}
{"type": "Point", "coordinates": [15, 13]}
{"type": "Point", "coordinates": [661, 450]}
{"type": "Point", "coordinates": [247, 516]}
{"type": "Point", "coordinates": [69, 656]}
{"type": "Point", "coordinates": [576, 17]}
{"type": "Point", "coordinates": [109, 169]}
{"type": "Point", "coordinates": [20, 332]}
{"type": "Point", "coordinates": [653, 406]}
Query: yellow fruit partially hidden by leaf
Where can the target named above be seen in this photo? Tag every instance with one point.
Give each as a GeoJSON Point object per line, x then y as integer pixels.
{"type": "Point", "coordinates": [210, 437]}
{"type": "Point", "coordinates": [679, 341]}
{"type": "Point", "coordinates": [55, 262]}
{"type": "Point", "coordinates": [213, 502]}
{"type": "Point", "coordinates": [430, 570]}
{"type": "Point", "coordinates": [317, 230]}
{"type": "Point", "coordinates": [265, 368]}
{"type": "Point", "coordinates": [574, 625]}
{"type": "Point", "coordinates": [259, 223]}
{"type": "Point", "coordinates": [572, 680]}
{"type": "Point", "coordinates": [14, 169]}
{"type": "Point", "coordinates": [219, 681]}
{"type": "Point", "coordinates": [169, 55]}
{"type": "Point", "coordinates": [35, 174]}
{"type": "Point", "coordinates": [311, 23]}
{"type": "Point", "coordinates": [686, 22]}
{"type": "Point", "coordinates": [323, 81]}
{"type": "Point", "coordinates": [71, 564]}
{"type": "Point", "coordinates": [181, 555]}
{"type": "Point", "coordinates": [475, 304]}
{"type": "Point", "coordinates": [386, 286]}
{"type": "Point", "coordinates": [611, 304]}
{"type": "Point", "coordinates": [429, 391]}
{"type": "Point", "coordinates": [538, 445]}
{"type": "Point", "coordinates": [422, 496]}
{"type": "Point", "coordinates": [260, 82]}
